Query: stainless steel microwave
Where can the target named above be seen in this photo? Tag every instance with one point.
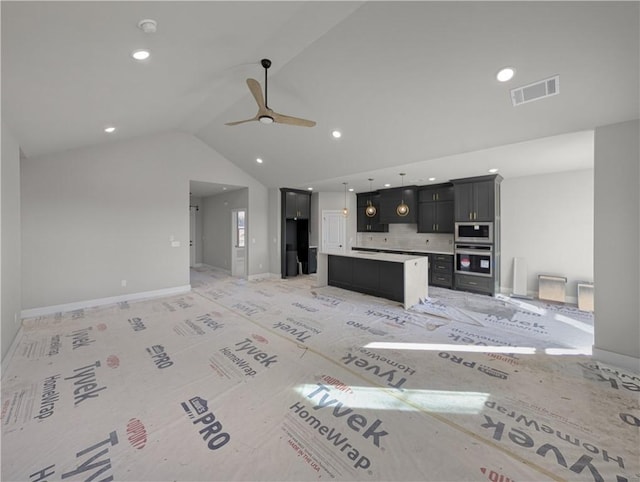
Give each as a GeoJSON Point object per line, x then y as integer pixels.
{"type": "Point", "coordinates": [470, 232]}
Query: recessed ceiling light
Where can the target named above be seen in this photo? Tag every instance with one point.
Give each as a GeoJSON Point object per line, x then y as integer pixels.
{"type": "Point", "coordinates": [224, 188]}
{"type": "Point", "coordinates": [109, 129]}
{"type": "Point", "coordinates": [141, 54]}
{"type": "Point", "coordinates": [309, 189]}
{"type": "Point", "coordinates": [350, 189]}
{"type": "Point", "coordinates": [493, 169]}
{"type": "Point", "coordinates": [387, 185]}
{"type": "Point", "coordinates": [432, 179]}
{"type": "Point", "coordinates": [259, 161]}
{"type": "Point", "coordinates": [336, 134]}
{"type": "Point", "coordinates": [505, 74]}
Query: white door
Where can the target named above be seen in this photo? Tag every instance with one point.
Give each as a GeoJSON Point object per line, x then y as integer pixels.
{"type": "Point", "coordinates": [238, 242]}
{"type": "Point", "coordinates": [334, 227]}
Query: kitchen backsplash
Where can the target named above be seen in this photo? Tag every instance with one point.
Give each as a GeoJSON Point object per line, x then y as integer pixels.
{"type": "Point", "coordinates": [404, 236]}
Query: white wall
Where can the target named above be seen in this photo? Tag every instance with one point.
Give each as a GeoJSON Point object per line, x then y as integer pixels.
{"type": "Point", "coordinates": [93, 217]}
{"type": "Point", "coordinates": [217, 226]}
{"type": "Point", "coordinates": [617, 244]}
{"type": "Point", "coordinates": [548, 220]}
{"type": "Point", "coordinates": [10, 259]}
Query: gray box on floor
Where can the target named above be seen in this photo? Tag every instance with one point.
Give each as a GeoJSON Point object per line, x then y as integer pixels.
{"type": "Point", "coordinates": [552, 288]}
{"type": "Point", "coordinates": [585, 296]}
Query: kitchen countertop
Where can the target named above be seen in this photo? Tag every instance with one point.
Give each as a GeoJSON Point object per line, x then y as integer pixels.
{"type": "Point", "coordinates": [378, 255]}
{"type": "Point", "coordinates": [400, 251]}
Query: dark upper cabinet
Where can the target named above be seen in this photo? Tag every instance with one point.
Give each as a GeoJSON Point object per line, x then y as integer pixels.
{"type": "Point", "coordinates": [436, 217]}
{"type": "Point", "coordinates": [365, 223]}
{"type": "Point", "coordinates": [435, 209]}
{"type": "Point", "coordinates": [477, 199]}
{"type": "Point", "coordinates": [297, 205]}
{"type": "Point", "coordinates": [389, 200]}
{"type": "Point", "coordinates": [435, 193]}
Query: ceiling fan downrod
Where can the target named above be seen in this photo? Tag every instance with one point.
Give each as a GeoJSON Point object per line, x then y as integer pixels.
{"type": "Point", "coordinates": [266, 63]}
{"type": "Point", "coordinates": [266, 119]}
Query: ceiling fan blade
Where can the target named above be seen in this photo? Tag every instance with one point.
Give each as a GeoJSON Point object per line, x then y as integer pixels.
{"type": "Point", "coordinates": [294, 121]}
{"type": "Point", "coordinates": [241, 122]}
{"type": "Point", "coordinates": [256, 90]}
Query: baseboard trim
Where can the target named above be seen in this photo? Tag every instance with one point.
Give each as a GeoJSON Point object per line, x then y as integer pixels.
{"type": "Point", "coordinates": [569, 300]}
{"type": "Point", "coordinates": [79, 305]}
{"type": "Point", "coordinates": [616, 359]}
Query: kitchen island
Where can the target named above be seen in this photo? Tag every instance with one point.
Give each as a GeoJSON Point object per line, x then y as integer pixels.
{"type": "Point", "coordinates": [397, 277]}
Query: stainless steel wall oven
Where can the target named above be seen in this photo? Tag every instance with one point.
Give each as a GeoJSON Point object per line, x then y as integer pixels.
{"type": "Point", "coordinates": [474, 259]}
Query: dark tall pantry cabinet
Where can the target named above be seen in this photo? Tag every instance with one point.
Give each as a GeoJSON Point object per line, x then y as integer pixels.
{"type": "Point", "coordinates": [295, 228]}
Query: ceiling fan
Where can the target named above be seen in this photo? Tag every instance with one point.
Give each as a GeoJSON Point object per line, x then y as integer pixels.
{"type": "Point", "coordinates": [265, 114]}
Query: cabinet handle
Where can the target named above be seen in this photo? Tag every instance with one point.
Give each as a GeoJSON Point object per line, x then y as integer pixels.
{"type": "Point", "coordinates": [433, 227]}
{"type": "Point", "coordinates": [475, 215]}
{"type": "Point", "coordinates": [437, 227]}
{"type": "Point", "coordinates": [437, 196]}
{"type": "Point", "coordinates": [470, 215]}
{"type": "Point", "coordinates": [473, 283]}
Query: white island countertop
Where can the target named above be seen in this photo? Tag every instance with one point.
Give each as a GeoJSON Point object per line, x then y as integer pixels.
{"type": "Point", "coordinates": [380, 256]}
{"type": "Point", "coordinates": [418, 252]}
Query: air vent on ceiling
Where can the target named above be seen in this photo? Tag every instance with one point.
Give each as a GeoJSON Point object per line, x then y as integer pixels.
{"type": "Point", "coordinates": [536, 91]}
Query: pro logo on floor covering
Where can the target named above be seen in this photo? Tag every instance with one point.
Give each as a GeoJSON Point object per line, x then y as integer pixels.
{"type": "Point", "coordinates": [211, 429]}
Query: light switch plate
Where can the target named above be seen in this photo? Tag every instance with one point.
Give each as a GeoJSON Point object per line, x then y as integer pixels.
{"type": "Point", "coordinates": [175, 244]}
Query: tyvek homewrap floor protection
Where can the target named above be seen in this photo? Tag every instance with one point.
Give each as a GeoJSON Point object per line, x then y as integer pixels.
{"type": "Point", "coordinates": [278, 380]}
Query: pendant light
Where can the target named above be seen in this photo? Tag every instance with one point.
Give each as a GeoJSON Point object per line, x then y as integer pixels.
{"type": "Point", "coordinates": [345, 210]}
{"type": "Point", "coordinates": [370, 210]}
{"type": "Point", "coordinates": [402, 210]}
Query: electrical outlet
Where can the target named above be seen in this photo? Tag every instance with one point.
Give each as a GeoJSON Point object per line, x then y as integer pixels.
{"type": "Point", "coordinates": [175, 244]}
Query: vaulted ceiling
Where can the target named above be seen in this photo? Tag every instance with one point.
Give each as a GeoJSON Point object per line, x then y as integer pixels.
{"type": "Point", "coordinates": [411, 85]}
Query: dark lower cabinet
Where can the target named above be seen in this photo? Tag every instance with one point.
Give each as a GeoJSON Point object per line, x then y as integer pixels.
{"type": "Point", "coordinates": [441, 270]}
{"type": "Point", "coordinates": [391, 281]}
{"type": "Point", "coordinates": [366, 275]}
{"type": "Point", "coordinates": [384, 279]}
{"type": "Point", "coordinates": [340, 272]}
{"type": "Point", "coordinates": [478, 284]}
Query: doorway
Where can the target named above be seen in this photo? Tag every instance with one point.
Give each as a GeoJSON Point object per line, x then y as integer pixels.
{"type": "Point", "coordinates": [193, 239]}
{"type": "Point", "coordinates": [238, 242]}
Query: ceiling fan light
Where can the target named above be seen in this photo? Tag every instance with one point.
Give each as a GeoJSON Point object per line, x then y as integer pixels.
{"type": "Point", "coordinates": [266, 119]}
